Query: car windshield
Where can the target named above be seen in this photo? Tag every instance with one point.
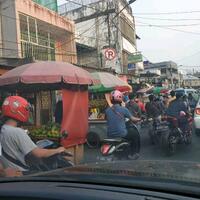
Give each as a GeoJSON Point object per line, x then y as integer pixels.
{"type": "Point", "coordinates": [100, 86]}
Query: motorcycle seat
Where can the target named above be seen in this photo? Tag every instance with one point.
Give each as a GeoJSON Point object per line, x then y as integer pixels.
{"type": "Point", "coordinates": [113, 140]}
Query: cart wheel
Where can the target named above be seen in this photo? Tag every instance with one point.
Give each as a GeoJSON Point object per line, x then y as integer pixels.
{"type": "Point", "coordinates": [93, 140]}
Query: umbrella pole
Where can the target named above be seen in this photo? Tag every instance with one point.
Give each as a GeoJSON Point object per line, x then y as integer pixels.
{"type": "Point", "coordinates": [38, 109]}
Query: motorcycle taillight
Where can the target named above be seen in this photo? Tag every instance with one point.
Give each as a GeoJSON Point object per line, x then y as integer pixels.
{"type": "Point", "coordinates": [105, 149]}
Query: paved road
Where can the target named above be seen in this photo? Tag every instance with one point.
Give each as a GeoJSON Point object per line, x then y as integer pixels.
{"type": "Point", "coordinates": [152, 152]}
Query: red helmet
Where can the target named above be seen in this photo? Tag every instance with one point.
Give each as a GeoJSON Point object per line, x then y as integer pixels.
{"type": "Point", "coordinates": [117, 96]}
{"type": "Point", "coordinates": [17, 108]}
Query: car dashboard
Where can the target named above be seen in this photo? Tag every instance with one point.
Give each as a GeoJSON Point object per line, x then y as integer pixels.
{"type": "Point", "coordinates": [79, 191]}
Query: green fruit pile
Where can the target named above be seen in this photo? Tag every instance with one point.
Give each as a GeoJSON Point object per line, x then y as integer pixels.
{"type": "Point", "coordinates": [50, 130]}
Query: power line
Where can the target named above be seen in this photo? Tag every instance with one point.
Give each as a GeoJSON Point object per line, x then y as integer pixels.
{"type": "Point", "coordinates": [168, 19]}
{"type": "Point", "coordinates": [169, 13]}
{"type": "Point", "coordinates": [167, 25]}
{"type": "Point", "coordinates": [14, 18]}
{"type": "Point", "coordinates": [189, 56]}
{"type": "Point", "coordinates": [173, 29]}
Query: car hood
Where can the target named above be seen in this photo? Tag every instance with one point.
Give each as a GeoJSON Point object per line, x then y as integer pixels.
{"type": "Point", "coordinates": [167, 170]}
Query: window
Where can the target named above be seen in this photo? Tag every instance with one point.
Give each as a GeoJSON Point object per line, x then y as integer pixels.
{"type": "Point", "coordinates": [35, 40]}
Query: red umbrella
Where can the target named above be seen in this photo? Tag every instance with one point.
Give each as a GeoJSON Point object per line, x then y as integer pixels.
{"type": "Point", "coordinates": [46, 73]}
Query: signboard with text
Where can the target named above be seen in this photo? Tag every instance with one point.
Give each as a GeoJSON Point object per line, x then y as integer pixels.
{"type": "Point", "coordinates": [134, 58]}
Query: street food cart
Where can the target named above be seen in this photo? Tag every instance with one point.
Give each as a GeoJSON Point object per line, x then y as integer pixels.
{"type": "Point", "coordinates": [36, 79]}
{"type": "Point", "coordinates": [99, 100]}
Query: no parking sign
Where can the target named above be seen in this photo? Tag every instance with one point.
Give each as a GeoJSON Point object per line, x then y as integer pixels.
{"type": "Point", "coordinates": [110, 54]}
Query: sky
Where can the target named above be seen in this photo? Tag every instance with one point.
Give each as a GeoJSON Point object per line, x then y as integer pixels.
{"type": "Point", "coordinates": [161, 43]}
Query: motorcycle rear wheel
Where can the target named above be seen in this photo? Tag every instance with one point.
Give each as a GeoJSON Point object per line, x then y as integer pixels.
{"type": "Point", "coordinates": [188, 138]}
{"type": "Point", "coordinates": [168, 146]}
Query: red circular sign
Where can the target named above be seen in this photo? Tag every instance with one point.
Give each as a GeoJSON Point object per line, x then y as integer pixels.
{"type": "Point", "coordinates": [110, 54]}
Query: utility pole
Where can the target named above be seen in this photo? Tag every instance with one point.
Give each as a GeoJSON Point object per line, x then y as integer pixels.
{"type": "Point", "coordinates": [108, 24]}
{"type": "Point", "coordinates": [171, 76]}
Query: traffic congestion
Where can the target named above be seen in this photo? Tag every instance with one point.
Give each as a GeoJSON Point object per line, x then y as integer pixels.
{"type": "Point", "coordinates": [99, 99]}
{"type": "Point", "coordinates": [169, 119]}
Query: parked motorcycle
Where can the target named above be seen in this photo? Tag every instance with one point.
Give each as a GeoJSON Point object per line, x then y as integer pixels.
{"type": "Point", "coordinates": [179, 132]}
{"type": "Point", "coordinates": [52, 162]}
{"type": "Point", "coordinates": [118, 148]}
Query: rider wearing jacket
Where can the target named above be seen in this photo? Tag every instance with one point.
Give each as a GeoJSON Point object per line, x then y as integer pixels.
{"type": "Point", "coordinates": [116, 125]}
{"type": "Point", "coordinates": [16, 144]}
{"type": "Point", "coordinates": [152, 108]}
{"type": "Point", "coordinates": [176, 106]}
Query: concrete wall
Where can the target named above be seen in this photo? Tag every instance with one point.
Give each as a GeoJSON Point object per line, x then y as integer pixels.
{"type": "Point", "coordinates": [88, 59]}
{"type": "Point", "coordinates": [9, 30]}
{"type": "Point", "coordinates": [35, 10]}
{"type": "Point", "coordinates": [191, 83]}
{"type": "Point", "coordinates": [61, 26]}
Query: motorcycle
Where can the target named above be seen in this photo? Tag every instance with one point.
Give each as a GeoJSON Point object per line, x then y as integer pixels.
{"type": "Point", "coordinates": [179, 132]}
{"type": "Point", "coordinates": [118, 148]}
{"type": "Point", "coordinates": [156, 129]}
{"type": "Point", "coordinates": [51, 163]}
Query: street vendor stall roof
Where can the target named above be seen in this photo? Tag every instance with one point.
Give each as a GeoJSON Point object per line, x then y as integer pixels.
{"type": "Point", "coordinates": [46, 72]}
{"type": "Point", "coordinates": [145, 90]}
{"type": "Point", "coordinates": [109, 82]}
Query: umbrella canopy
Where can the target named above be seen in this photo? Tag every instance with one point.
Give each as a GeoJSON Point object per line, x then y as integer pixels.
{"type": "Point", "coordinates": [158, 90]}
{"type": "Point", "coordinates": [145, 90]}
{"type": "Point", "coordinates": [108, 82]}
{"type": "Point", "coordinates": [47, 73]}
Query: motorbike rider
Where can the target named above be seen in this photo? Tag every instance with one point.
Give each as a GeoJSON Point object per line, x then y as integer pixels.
{"type": "Point", "coordinates": [172, 96]}
{"type": "Point", "coordinates": [16, 144]}
{"type": "Point", "coordinates": [176, 106]}
{"type": "Point", "coordinates": [116, 125]}
{"type": "Point", "coordinates": [179, 110]}
{"type": "Point", "coordinates": [140, 103]}
{"type": "Point", "coordinates": [152, 108]}
{"type": "Point", "coordinates": [133, 107]}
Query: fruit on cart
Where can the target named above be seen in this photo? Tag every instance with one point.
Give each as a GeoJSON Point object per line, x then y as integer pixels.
{"type": "Point", "coordinates": [50, 130]}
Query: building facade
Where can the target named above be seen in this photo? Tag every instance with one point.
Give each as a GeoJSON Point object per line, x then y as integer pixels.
{"type": "Point", "coordinates": [101, 32]}
{"type": "Point", "coordinates": [163, 72]}
{"type": "Point", "coordinates": [191, 81]}
{"type": "Point", "coordinates": [29, 30]}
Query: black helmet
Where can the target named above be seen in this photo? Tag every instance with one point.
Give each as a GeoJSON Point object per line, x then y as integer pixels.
{"type": "Point", "coordinates": [152, 97]}
{"type": "Point", "coordinates": [179, 95]}
{"type": "Point", "coordinates": [173, 93]}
